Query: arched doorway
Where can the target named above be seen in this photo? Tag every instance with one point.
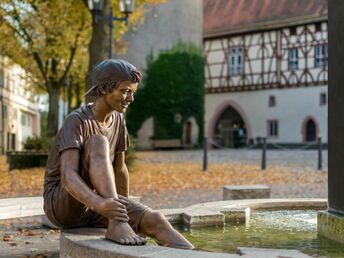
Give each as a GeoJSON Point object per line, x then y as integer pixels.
{"type": "Point", "coordinates": [311, 131]}
{"type": "Point", "coordinates": [188, 129]}
{"type": "Point", "coordinates": [230, 129]}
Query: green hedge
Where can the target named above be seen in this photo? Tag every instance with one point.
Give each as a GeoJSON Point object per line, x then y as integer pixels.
{"type": "Point", "coordinates": [173, 84]}
{"type": "Point", "coordinates": [26, 159]}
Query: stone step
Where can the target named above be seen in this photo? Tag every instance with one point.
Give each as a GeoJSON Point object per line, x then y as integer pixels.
{"type": "Point", "coordinates": [270, 253]}
{"type": "Point", "coordinates": [21, 207]}
{"type": "Point", "coordinates": [203, 218]}
{"type": "Point", "coordinates": [90, 243]}
{"type": "Point", "coordinates": [238, 192]}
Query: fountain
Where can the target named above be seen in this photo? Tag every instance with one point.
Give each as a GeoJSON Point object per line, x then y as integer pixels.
{"type": "Point", "coordinates": [203, 220]}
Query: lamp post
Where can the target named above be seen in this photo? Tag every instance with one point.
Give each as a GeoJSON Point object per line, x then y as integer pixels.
{"type": "Point", "coordinates": [125, 6]}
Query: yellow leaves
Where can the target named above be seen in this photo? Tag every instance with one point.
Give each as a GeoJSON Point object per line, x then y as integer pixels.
{"type": "Point", "coordinates": [137, 17]}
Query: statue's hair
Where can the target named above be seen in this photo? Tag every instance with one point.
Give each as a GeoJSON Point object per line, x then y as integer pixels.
{"type": "Point", "coordinates": [109, 86]}
{"type": "Point", "coordinates": [108, 74]}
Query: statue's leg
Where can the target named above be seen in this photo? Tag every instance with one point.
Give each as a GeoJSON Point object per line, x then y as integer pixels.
{"type": "Point", "coordinates": [100, 175]}
{"type": "Point", "coordinates": [155, 225]}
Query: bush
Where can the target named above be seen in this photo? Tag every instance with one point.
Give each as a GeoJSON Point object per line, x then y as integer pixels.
{"type": "Point", "coordinates": [37, 143]}
{"type": "Point", "coordinates": [26, 159]}
{"type": "Point", "coordinates": [173, 85]}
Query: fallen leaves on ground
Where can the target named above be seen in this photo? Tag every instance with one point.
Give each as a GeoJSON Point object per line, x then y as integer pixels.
{"type": "Point", "coordinates": [8, 238]}
{"type": "Point", "coordinates": [156, 179]}
{"type": "Point", "coordinates": [160, 177]}
{"type": "Point", "coordinates": [24, 182]}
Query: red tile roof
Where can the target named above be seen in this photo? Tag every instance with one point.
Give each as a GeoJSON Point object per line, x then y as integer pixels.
{"type": "Point", "coordinates": [222, 17]}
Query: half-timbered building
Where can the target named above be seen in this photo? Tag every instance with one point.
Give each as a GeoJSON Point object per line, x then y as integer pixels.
{"type": "Point", "coordinates": [266, 70]}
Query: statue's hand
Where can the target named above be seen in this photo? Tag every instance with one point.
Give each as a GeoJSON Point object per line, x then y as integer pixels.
{"type": "Point", "coordinates": [112, 209]}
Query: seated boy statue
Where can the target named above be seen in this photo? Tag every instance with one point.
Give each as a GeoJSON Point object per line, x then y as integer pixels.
{"type": "Point", "coordinates": [86, 179]}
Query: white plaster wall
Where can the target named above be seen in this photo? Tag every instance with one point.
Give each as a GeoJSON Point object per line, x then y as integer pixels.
{"type": "Point", "coordinates": [163, 27]}
{"type": "Point", "coordinates": [292, 107]}
{"type": "Point", "coordinates": [145, 133]}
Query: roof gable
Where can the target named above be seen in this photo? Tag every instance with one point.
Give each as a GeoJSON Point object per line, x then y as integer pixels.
{"type": "Point", "coordinates": [227, 16]}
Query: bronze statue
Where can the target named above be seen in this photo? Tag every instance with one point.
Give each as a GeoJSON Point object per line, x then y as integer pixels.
{"type": "Point", "coordinates": [86, 179]}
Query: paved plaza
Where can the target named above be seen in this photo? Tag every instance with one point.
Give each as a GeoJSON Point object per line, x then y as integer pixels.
{"type": "Point", "coordinates": [289, 158]}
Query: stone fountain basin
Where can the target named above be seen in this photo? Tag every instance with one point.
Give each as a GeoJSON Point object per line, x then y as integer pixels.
{"type": "Point", "coordinates": [90, 242]}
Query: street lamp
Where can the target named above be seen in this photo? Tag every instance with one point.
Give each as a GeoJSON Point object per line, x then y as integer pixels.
{"type": "Point", "coordinates": [125, 6]}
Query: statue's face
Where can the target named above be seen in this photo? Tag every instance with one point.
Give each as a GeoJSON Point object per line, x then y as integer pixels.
{"type": "Point", "coordinates": [120, 98]}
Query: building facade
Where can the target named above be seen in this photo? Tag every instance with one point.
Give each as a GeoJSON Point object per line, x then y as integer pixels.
{"type": "Point", "coordinates": [266, 71]}
{"type": "Point", "coordinates": [19, 115]}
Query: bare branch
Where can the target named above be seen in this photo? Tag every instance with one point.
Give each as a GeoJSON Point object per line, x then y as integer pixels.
{"type": "Point", "coordinates": [85, 3]}
{"type": "Point", "coordinates": [72, 52]}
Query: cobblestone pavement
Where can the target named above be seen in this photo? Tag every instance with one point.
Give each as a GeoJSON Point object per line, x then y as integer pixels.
{"type": "Point", "coordinates": [26, 238]}
{"type": "Point", "coordinates": [290, 158]}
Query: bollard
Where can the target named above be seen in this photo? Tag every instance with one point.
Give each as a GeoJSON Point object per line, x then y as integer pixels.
{"type": "Point", "coordinates": [319, 154]}
{"type": "Point", "coordinates": [205, 154]}
{"type": "Point", "coordinates": [263, 167]}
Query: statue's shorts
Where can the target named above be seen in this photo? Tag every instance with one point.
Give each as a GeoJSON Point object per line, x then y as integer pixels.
{"type": "Point", "coordinates": [66, 212]}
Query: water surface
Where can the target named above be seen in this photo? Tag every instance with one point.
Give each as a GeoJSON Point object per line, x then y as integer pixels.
{"type": "Point", "coordinates": [278, 229]}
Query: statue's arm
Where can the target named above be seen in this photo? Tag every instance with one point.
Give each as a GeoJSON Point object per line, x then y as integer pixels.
{"type": "Point", "coordinates": [73, 183]}
{"type": "Point", "coordinates": [121, 174]}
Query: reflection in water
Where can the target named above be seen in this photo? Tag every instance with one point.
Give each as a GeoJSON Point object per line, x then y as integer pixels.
{"type": "Point", "coordinates": [277, 229]}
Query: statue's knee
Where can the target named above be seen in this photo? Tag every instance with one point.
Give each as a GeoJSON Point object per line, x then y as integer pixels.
{"type": "Point", "coordinates": [97, 146]}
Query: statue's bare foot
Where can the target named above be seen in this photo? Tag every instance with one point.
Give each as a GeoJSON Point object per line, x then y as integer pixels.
{"type": "Point", "coordinates": [122, 233]}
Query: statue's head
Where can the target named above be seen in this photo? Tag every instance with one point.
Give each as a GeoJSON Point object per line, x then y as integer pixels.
{"type": "Point", "coordinates": [108, 74]}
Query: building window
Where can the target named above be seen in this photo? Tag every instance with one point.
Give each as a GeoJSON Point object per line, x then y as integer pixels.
{"type": "Point", "coordinates": [318, 27]}
{"type": "Point", "coordinates": [272, 128]}
{"type": "Point", "coordinates": [236, 61]}
{"type": "Point", "coordinates": [293, 59]}
{"type": "Point", "coordinates": [29, 121]}
{"type": "Point", "coordinates": [272, 101]}
{"type": "Point", "coordinates": [292, 31]}
{"type": "Point", "coordinates": [23, 119]}
{"type": "Point", "coordinates": [321, 55]}
{"type": "Point", "coordinates": [323, 99]}
{"type": "Point", "coordinates": [5, 112]}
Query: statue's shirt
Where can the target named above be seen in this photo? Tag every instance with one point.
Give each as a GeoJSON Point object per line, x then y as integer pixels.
{"type": "Point", "coordinates": [77, 128]}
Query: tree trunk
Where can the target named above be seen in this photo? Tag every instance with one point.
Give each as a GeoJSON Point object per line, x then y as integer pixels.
{"type": "Point", "coordinates": [53, 113]}
{"type": "Point", "coordinates": [99, 41]}
{"type": "Point", "coordinates": [77, 94]}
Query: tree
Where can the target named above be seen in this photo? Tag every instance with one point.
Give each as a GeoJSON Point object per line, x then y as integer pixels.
{"type": "Point", "coordinates": [49, 39]}
{"type": "Point", "coordinates": [44, 36]}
